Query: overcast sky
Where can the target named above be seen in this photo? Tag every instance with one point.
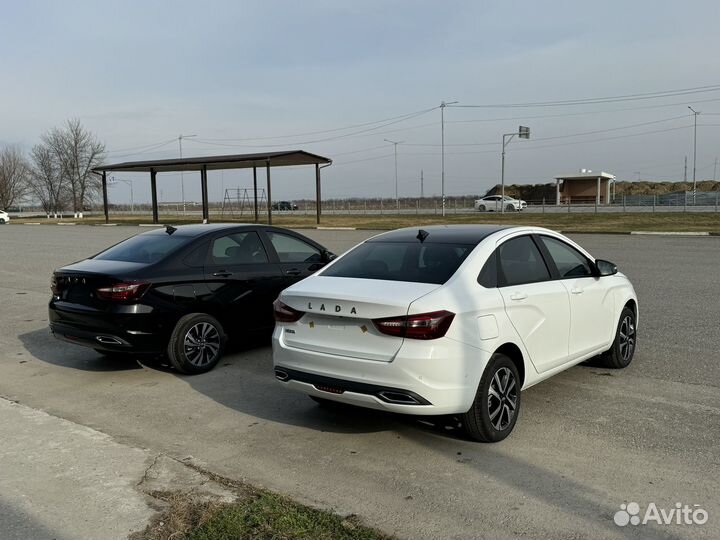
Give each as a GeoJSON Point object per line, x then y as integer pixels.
{"type": "Point", "coordinates": [235, 73]}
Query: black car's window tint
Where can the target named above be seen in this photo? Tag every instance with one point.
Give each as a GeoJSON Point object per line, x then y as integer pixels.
{"type": "Point", "coordinates": [569, 261]}
{"type": "Point", "coordinates": [291, 249]}
{"type": "Point", "coordinates": [197, 255]}
{"type": "Point", "coordinates": [401, 261]}
{"type": "Point", "coordinates": [144, 248]}
{"type": "Point", "coordinates": [238, 248]}
{"type": "Point", "coordinates": [521, 262]}
{"type": "Point", "coordinates": [488, 274]}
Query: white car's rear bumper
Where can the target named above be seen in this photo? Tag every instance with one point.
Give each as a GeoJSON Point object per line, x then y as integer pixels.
{"type": "Point", "coordinates": [424, 378]}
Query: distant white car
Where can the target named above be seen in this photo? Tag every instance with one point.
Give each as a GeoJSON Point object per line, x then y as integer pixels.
{"type": "Point", "coordinates": [4, 217]}
{"type": "Point", "coordinates": [495, 203]}
{"type": "Point", "coordinates": [452, 320]}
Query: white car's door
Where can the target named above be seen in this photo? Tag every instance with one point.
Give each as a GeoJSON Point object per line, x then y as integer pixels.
{"type": "Point", "coordinates": [591, 303]}
{"type": "Point", "coordinates": [537, 306]}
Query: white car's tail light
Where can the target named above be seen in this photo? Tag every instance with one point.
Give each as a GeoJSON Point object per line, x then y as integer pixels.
{"type": "Point", "coordinates": [422, 326]}
{"type": "Point", "coordinates": [284, 313]}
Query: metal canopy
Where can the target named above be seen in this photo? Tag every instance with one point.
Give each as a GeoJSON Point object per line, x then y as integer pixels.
{"type": "Point", "coordinates": [214, 163]}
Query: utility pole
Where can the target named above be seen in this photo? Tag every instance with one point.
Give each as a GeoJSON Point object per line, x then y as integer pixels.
{"type": "Point", "coordinates": [397, 198]}
{"type": "Point", "coordinates": [685, 173]}
{"type": "Point", "coordinates": [182, 174]}
{"type": "Point", "coordinates": [715, 170]}
{"type": "Point", "coordinates": [523, 132]}
{"type": "Point", "coordinates": [695, 115]}
{"type": "Point", "coordinates": [442, 151]}
{"type": "Point", "coordinates": [422, 181]}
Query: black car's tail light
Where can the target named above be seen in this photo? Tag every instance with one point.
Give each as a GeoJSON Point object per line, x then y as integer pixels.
{"type": "Point", "coordinates": [122, 292]}
{"type": "Point", "coordinates": [284, 313]}
{"type": "Point", "coordinates": [422, 326]}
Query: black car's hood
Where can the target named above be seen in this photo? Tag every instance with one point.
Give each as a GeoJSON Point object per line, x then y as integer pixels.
{"type": "Point", "coordinates": [96, 266]}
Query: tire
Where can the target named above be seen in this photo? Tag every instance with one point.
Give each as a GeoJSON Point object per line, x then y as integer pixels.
{"type": "Point", "coordinates": [510, 208]}
{"type": "Point", "coordinates": [482, 208]}
{"type": "Point", "coordinates": [623, 348]}
{"type": "Point", "coordinates": [196, 344]}
{"type": "Point", "coordinates": [2, 221]}
{"type": "Point", "coordinates": [491, 419]}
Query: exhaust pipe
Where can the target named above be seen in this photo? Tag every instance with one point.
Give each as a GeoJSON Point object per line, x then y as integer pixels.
{"type": "Point", "coordinates": [108, 340]}
{"type": "Point", "coordinates": [398, 397]}
{"type": "Point", "coordinates": [281, 374]}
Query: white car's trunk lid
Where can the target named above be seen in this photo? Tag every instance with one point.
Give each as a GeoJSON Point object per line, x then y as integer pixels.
{"type": "Point", "coordinates": [339, 312]}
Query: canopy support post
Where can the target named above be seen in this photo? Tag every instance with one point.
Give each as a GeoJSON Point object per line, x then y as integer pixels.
{"type": "Point", "coordinates": [153, 192]}
{"type": "Point", "coordinates": [269, 193]}
{"type": "Point", "coordinates": [105, 201]}
{"type": "Point", "coordinates": [255, 192]}
{"type": "Point", "coordinates": [204, 191]}
{"type": "Point", "coordinates": [318, 211]}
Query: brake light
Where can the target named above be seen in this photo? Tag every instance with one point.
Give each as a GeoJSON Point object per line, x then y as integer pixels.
{"type": "Point", "coordinates": [284, 313]}
{"type": "Point", "coordinates": [422, 326]}
{"type": "Point", "coordinates": [122, 292]}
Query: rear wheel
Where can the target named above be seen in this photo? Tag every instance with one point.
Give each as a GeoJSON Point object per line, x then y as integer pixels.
{"type": "Point", "coordinates": [623, 348]}
{"type": "Point", "coordinates": [495, 409]}
{"type": "Point", "coordinates": [2, 221]}
{"type": "Point", "coordinates": [196, 344]}
{"type": "Point", "coordinates": [481, 208]}
{"type": "Point", "coordinates": [510, 208]}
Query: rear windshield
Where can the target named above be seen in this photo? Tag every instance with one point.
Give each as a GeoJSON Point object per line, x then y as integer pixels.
{"type": "Point", "coordinates": [399, 261]}
{"type": "Point", "coordinates": [144, 248]}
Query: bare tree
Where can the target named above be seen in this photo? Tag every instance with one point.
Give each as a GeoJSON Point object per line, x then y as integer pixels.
{"type": "Point", "coordinates": [14, 174]}
{"type": "Point", "coordinates": [76, 151]}
{"type": "Point", "coordinates": [47, 182]}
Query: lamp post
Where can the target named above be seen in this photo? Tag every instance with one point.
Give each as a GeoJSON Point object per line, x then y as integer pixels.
{"type": "Point", "coordinates": [523, 132]}
{"type": "Point", "coordinates": [114, 181]}
{"type": "Point", "coordinates": [397, 198]}
{"type": "Point", "coordinates": [695, 115]}
{"type": "Point", "coordinates": [182, 174]}
{"type": "Point", "coordinates": [442, 150]}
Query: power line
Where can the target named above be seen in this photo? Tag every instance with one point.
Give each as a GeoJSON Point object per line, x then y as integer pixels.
{"type": "Point", "coordinates": [605, 99]}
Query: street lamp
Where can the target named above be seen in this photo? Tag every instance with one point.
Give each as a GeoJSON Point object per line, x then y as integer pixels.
{"type": "Point", "coordinates": [695, 115]}
{"type": "Point", "coordinates": [397, 199]}
{"type": "Point", "coordinates": [114, 181]}
{"type": "Point", "coordinates": [442, 150]}
{"type": "Point", "coordinates": [182, 174]}
{"type": "Point", "coordinates": [523, 132]}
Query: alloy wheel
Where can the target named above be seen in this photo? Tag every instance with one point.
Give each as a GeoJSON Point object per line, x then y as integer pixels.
{"type": "Point", "coordinates": [502, 398]}
{"type": "Point", "coordinates": [201, 344]}
{"type": "Point", "coordinates": [627, 337]}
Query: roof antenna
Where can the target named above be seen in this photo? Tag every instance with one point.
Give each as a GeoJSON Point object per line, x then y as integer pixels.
{"type": "Point", "coordinates": [422, 235]}
{"type": "Point", "coordinates": [170, 229]}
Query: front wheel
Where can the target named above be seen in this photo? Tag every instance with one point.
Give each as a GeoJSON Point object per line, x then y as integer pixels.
{"type": "Point", "coordinates": [481, 208]}
{"type": "Point", "coordinates": [623, 348]}
{"type": "Point", "coordinates": [2, 221]}
{"type": "Point", "coordinates": [510, 208]}
{"type": "Point", "coordinates": [196, 344]}
{"type": "Point", "coordinates": [495, 409]}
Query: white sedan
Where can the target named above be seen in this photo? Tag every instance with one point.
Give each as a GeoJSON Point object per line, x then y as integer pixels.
{"type": "Point", "coordinates": [4, 217]}
{"type": "Point", "coordinates": [495, 203]}
{"type": "Point", "coordinates": [452, 320]}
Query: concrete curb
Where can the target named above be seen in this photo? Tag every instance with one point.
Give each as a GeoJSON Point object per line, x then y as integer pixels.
{"type": "Point", "coordinates": [66, 224]}
{"type": "Point", "coordinates": [662, 233]}
{"type": "Point", "coordinates": [150, 225]}
{"type": "Point", "coordinates": [319, 228]}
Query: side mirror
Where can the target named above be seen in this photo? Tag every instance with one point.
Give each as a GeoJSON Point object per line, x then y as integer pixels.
{"type": "Point", "coordinates": [605, 268]}
{"type": "Point", "coordinates": [328, 256]}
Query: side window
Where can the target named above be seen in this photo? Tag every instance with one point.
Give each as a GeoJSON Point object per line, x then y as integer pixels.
{"type": "Point", "coordinates": [569, 261]}
{"type": "Point", "coordinates": [488, 274]}
{"type": "Point", "coordinates": [291, 249]}
{"type": "Point", "coordinates": [238, 248]}
{"type": "Point", "coordinates": [521, 262]}
{"type": "Point", "coordinates": [196, 257]}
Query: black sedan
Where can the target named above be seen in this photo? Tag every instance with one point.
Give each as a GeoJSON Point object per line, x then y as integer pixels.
{"type": "Point", "coordinates": [183, 291]}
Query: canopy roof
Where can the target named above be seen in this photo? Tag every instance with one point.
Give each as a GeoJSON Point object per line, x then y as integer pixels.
{"type": "Point", "coordinates": [235, 161]}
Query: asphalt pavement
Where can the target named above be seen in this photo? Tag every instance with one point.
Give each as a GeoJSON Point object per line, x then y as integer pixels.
{"type": "Point", "coordinates": [587, 440]}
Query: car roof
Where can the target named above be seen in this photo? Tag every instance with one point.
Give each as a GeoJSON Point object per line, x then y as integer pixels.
{"type": "Point", "coordinates": [442, 234]}
{"type": "Point", "coordinates": [203, 228]}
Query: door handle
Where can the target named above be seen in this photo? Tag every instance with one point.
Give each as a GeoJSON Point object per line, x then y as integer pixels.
{"type": "Point", "coordinates": [293, 272]}
{"type": "Point", "coordinates": [223, 273]}
{"type": "Point", "coordinates": [576, 290]}
{"type": "Point", "coordinates": [518, 296]}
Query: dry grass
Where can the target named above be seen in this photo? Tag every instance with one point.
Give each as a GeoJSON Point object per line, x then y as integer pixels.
{"type": "Point", "coordinates": [259, 515]}
{"type": "Point", "coordinates": [589, 222]}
